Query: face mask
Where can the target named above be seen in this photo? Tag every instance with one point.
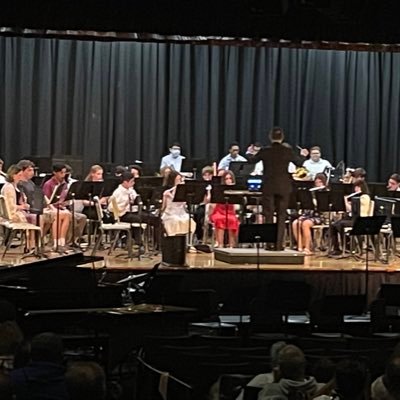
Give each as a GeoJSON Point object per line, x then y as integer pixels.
{"type": "Point", "coordinates": [175, 152]}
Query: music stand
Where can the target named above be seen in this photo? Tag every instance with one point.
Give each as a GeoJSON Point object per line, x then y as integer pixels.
{"type": "Point", "coordinates": [192, 192]}
{"type": "Point", "coordinates": [258, 233]}
{"type": "Point", "coordinates": [300, 199]}
{"type": "Point", "coordinates": [109, 185]}
{"type": "Point", "coordinates": [367, 226]}
{"type": "Point", "coordinates": [37, 204]}
{"type": "Point", "coordinates": [54, 199]}
{"type": "Point", "coordinates": [241, 168]}
{"type": "Point", "coordinates": [330, 201]}
{"type": "Point", "coordinates": [227, 194]}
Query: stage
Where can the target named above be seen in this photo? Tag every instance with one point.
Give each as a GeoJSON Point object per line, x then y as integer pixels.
{"type": "Point", "coordinates": [326, 276]}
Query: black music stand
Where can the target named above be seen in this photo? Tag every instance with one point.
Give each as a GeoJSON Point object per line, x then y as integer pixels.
{"type": "Point", "coordinates": [258, 233]}
{"type": "Point", "coordinates": [241, 168]}
{"type": "Point", "coordinates": [54, 199]}
{"type": "Point", "coordinates": [301, 199]}
{"type": "Point", "coordinates": [367, 226]}
{"type": "Point", "coordinates": [225, 194]}
{"type": "Point", "coordinates": [109, 185]}
{"type": "Point", "coordinates": [82, 190]}
{"type": "Point", "coordinates": [395, 225]}
{"type": "Point", "coordinates": [192, 193]}
{"type": "Point", "coordinates": [330, 201]}
{"type": "Point", "coordinates": [37, 203]}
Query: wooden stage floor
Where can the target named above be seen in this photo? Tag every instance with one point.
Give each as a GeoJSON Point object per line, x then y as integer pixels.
{"type": "Point", "coordinates": [206, 261]}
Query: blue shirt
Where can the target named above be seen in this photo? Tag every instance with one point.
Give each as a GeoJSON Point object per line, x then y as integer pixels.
{"type": "Point", "coordinates": [174, 162]}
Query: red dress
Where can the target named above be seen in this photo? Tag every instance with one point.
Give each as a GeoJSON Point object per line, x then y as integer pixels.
{"type": "Point", "coordinates": [224, 217]}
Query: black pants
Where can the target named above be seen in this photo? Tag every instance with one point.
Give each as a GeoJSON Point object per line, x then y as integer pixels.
{"type": "Point", "coordinates": [134, 218]}
{"type": "Point", "coordinates": [279, 203]}
{"type": "Point", "coordinates": [199, 216]}
{"type": "Point", "coordinates": [337, 228]}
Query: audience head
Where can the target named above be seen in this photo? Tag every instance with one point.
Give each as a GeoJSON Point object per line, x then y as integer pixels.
{"type": "Point", "coordinates": [324, 370]}
{"type": "Point", "coordinates": [85, 380]}
{"type": "Point", "coordinates": [315, 153]}
{"type": "Point", "coordinates": [10, 334]}
{"type": "Point", "coordinates": [291, 363]}
{"type": "Point", "coordinates": [175, 149]}
{"type": "Point", "coordinates": [391, 378]}
{"type": "Point", "coordinates": [14, 173]}
{"type": "Point", "coordinates": [351, 379]}
{"type": "Point", "coordinates": [47, 347]}
{"type": "Point", "coordinates": [95, 173]}
{"type": "Point", "coordinates": [7, 311]}
{"type": "Point", "coordinates": [274, 352]}
{"type": "Point", "coordinates": [276, 135]}
{"type": "Point", "coordinates": [393, 182]}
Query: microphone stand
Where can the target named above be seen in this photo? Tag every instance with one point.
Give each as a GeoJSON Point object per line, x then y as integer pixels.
{"type": "Point", "coordinates": [58, 227]}
{"type": "Point", "coordinates": [73, 244]}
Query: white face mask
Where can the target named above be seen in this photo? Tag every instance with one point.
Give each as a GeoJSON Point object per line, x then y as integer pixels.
{"type": "Point", "coordinates": [175, 152]}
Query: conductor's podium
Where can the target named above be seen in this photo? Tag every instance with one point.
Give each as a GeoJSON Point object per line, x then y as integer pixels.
{"type": "Point", "coordinates": [249, 256]}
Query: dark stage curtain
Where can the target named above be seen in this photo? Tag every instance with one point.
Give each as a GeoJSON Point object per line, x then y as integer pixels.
{"type": "Point", "coordinates": [121, 101]}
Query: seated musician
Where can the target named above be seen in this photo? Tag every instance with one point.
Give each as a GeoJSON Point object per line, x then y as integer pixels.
{"type": "Point", "coordinates": [62, 214]}
{"type": "Point", "coordinates": [95, 175]}
{"type": "Point", "coordinates": [223, 216]}
{"type": "Point", "coordinates": [354, 210]}
{"type": "Point", "coordinates": [3, 175]}
{"type": "Point", "coordinates": [136, 170]}
{"type": "Point", "coordinates": [16, 200]}
{"type": "Point", "coordinates": [393, 184]}
{"type": "Point", "coordinates": [173, 159]}
{"type": "Point", "coordinates": [75, 207]}
{"type": "Point", "coordinates": [301, 227]}
{"type": "Point", "coordinates": [173, 213]}
{"type": "Point", "coordinates": [315, 164]}
{"type": "Point", "coordinates": [125, 196]}
{"type": "Point", "coordinates": [27, 186]}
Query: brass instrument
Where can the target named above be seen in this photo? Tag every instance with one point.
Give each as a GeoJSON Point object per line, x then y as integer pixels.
{"type": "Point", "coordinates": [301, 174]}
{"type": "Point", "coordinates": [348, 176]}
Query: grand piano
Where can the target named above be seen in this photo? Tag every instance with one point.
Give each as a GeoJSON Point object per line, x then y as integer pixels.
{"type": "Point", "coordinates": [59, 296]}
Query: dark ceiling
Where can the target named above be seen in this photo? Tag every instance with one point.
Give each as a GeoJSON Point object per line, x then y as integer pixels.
{"type": "Point", "coordinates": [372, 21]}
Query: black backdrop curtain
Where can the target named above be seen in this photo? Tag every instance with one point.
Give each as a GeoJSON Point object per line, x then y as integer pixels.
{"type": "Point", "coordinates": [121, 101]}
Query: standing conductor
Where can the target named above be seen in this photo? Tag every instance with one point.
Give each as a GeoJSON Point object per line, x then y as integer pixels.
{"type": "Point", "coordinates": [277, 182]}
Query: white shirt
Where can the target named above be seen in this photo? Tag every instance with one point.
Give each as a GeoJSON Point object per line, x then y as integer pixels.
{"type": "Point", "coordinates": [315, 168]}
{"type": "Point", "coordinates": [225, 161]}
{"type": "Point", "coordinates": [173, 162]}
{"type": "Point", "coordinates": [124, 198]}
{"type": "Point", "coordinates": [258, 169]}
